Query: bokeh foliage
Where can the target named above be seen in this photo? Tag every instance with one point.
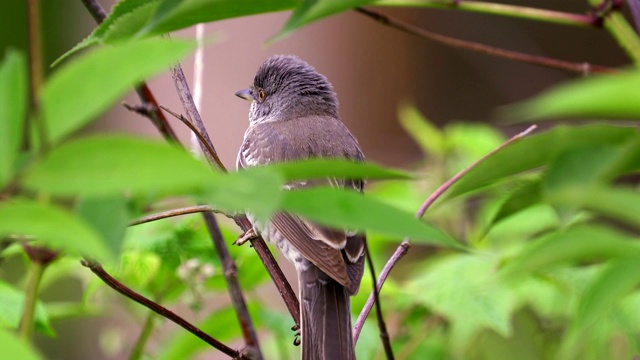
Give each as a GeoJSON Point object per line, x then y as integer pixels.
{"type": "Point", "coordinates": [533, 254]}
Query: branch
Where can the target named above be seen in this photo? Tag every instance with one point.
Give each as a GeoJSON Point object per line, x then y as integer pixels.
{"type": "Point", "coordinates": [516, 11]}
{"type": "Point", "coordinates": [173, 213]}
{"type": "Point", "coordinates": [384, 334]}
{"type": "Point", "coordinates": [403, 248]}
{"type": "Point", "coordinates": [582, 68]}
{"type": "Point", "coordinates": [235, 291]}
{"type": "Point", "coordinates": [194, 116]}
{"type": "Point", "coordinates": [97, 269]}
{"type": "Point", "coordinates": [205, 144]}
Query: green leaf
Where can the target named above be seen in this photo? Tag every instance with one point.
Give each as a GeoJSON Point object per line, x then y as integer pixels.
{"type": "Point", "coordinates": [583, 168]}
{"type": "Point", "coordinates": [119, 10]}
{"type": "Point", "coordinates": [465, 290]}
{"type": "Point", "coordinates": [85, 87]}
{"type": "Point", "coordinates": [539, 150]}
{"type": "Point", "coordinates": [348, 209]}
{"type": "Point", "coordinates": [13, 104]}
{"type": "Point", "coordinates": [604, 96]}
{"type": "Point", "coordinates": [426, 135]}
{"type": "Point", "coordinates": [102, 166]}
{"type": "Point", "coordinates": [621, 204]}
{"type": "Point", "coordinates": [581, 242]}
{"type": "Point", "coordinates": [108, 216]}
{"type": "Point", "coordinates": [313, 10]}
{"type": "Point", "coordinates": [337, 168]}
{"type": "Point", "coordinates": [11, 305]}
{"type": "Point", "coordinates": [15, 348]}
{"type": "Point", "coordinates": [52, 225]}
{"type": "Point", "coordinates": [524, 196]}
{"type": "Point", "coordinates": [619, 277]}
{"type": "Point", "coordinates": [191, 12]}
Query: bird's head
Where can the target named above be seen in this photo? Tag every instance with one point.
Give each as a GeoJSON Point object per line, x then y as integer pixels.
{"type": "Point", "coordinates": [286, 87]}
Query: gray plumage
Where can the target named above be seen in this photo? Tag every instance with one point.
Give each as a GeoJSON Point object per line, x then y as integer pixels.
{"type": "Point", "coordinates": [294, 116]}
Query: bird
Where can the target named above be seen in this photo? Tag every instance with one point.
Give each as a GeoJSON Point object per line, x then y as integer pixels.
{"type": "Point", "coordinates": [294, 116]}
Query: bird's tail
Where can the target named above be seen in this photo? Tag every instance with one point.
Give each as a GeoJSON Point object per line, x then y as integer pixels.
{"type": "Point", "coordinates": [326, 317]}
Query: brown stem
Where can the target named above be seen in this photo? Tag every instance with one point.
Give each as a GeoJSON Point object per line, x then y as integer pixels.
{"type": "Point", "coordinates": [230, 273]}
{"type": "Point", "coordinates": [277, 276]}
{"type": "Point", "coordinates": [582, 68]}
{"type": "Point", "coordinates": [193, 115]}
{"type": "Point", "coordinates": [97, 269]}
{"type": "Point", "coordinates": [172, 213]}
{"type": "Point", "coordinates": [384, 334]}
{"type": "Point", "coordinates": [209, 151]}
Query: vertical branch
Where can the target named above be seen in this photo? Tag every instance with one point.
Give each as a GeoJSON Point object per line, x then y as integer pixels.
{"type": "Point", "coordinates": [384, 334]}
{"type": "Point", "coordinates": [231, 276]}
{"type": "Point", "coordinates": [192, 113]}
{"type": "Point", "coordinates": [25, 329]}
{"type": "Point", "coordinates": [35, 72]}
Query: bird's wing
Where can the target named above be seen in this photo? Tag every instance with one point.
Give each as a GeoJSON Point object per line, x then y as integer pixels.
{"type": "Point", "coordinates": [338, 253]}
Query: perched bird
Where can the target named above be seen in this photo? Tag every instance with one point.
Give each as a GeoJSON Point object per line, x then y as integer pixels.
{"type": "Point", "coordinates": [294, 116]}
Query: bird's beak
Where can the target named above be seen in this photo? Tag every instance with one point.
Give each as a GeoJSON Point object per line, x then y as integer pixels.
{"type": "Point", "coordinates": [245, 94]}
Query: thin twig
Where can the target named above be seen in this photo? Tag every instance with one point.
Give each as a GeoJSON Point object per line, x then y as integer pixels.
{"type": "Point", "coordinates": [405, 245]}
{"type": "Point", "coordinates": [522, 12]}
{"type": "Point", "coordinates": [172, 213]}
{"type": "Point", "coordinates": [193, 115]}
{"type": "Point", "coordinates": [444, 187]}
{"type": "Point", "coordinates": [97, 269]}
{"type": "Point", "coordinates": [397, 255]}
{"type": "Point", "coordinates": [35, 75]}
{"type": "Point", "coordinates": [95, 9]}
{"type": "Point", "coordinates": [230, 273]}
{"type": "Point", "coordinates": [210, 152]}
{"type": "Point", "coordinates": [582, 68]}
{"type": "Point", "coordinates": [384, 334]}
{"type": "Point", "coordinates": [155, 115]}
{"type": "Point", "coordinates": [277, 276]}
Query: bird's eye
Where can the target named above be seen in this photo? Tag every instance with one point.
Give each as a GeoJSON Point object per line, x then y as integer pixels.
{"type": "Point", "coordinates": [261, 95]}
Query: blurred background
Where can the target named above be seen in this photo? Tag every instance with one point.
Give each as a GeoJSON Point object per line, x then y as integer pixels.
{"type": "Point", "coordinates": [373, 68]}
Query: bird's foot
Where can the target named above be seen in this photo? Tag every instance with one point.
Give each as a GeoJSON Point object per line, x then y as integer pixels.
{"type": "Point", "coordinates": [296, 337]}
{"type": "Point", "coordinates": [247, 236]}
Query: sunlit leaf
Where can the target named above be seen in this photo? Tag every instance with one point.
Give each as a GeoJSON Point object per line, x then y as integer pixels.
{"type": "Point", "coordinates": [539, 150]}
{"type": "Point", "coordinates": [581, 242]}
{"type": "Point", "coordinates": [524, 196]}
{"type": "Point", "coordinates": [11, 307]}
{"type": "Point", "coordinates": [78, 92]}
{"type": "Point", "coordinates": [425, 134]}
{"type": "Point", "coordinates": [465, 290]}
{"type": "Point", "coordinates": [13, 104]}
{"type": "Point", "coordinates": [602, 96]}
{"type": "Point", "coordinates": [15, 348]}
{"type": "Point", "coordinates": [617, 279]}
{"type": "Point", "coordinates": [191, 12]}
{"type": "Point", "coordinates": [351, 210]}
{"type": "Point", "coordinates": [343, 169]}
{"type": "Point", "coordinates": [120, 9]}
{"type": "Point", "coordinates": [51, 225]}
{"type": "Point", "coordinates": [313, 10]}
{"type": "Point", "coordinates": [108, 216]}
{"type": "Point", "coordinates": [104, 166]}
{"type": "Point", "coordinates": [622, 204]}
